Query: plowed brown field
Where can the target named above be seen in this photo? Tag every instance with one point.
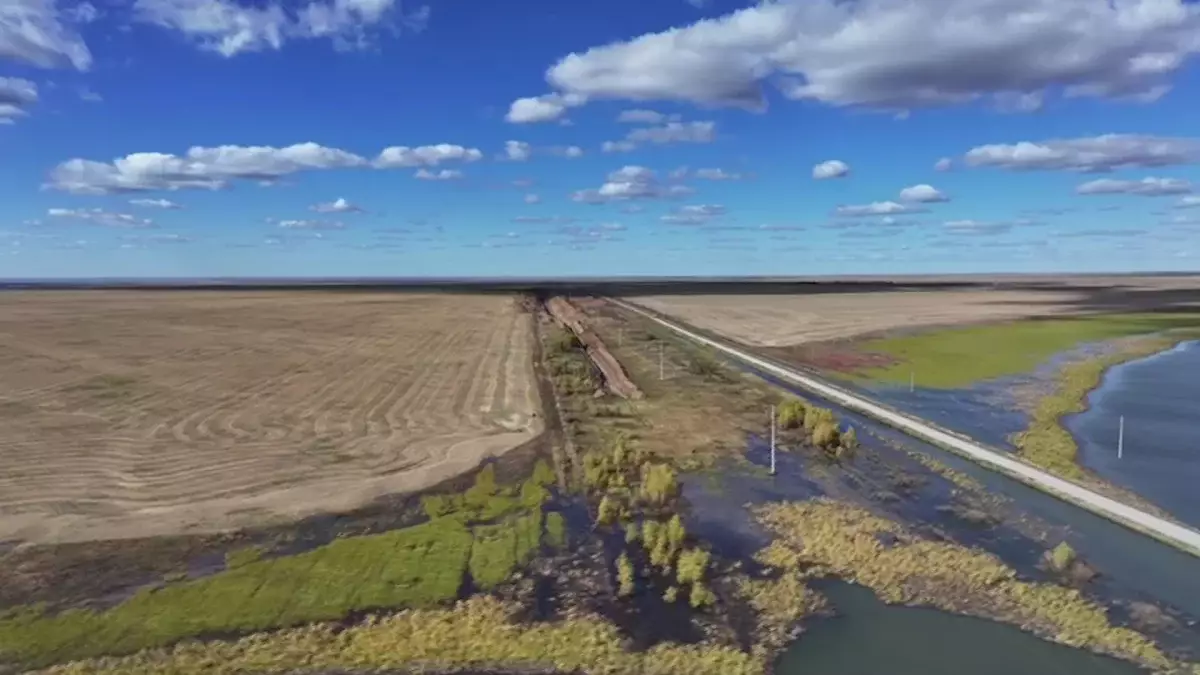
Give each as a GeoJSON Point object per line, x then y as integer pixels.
{"type": "Point", "coordinates": [126, 413]}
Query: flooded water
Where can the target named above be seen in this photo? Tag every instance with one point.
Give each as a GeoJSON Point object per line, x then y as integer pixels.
{"type": "Point", "coordinates": [985, 412]}
{"type": "Point", "coordinates": [1132, 566]}
{"type": "Point", "coordinates": [1160, 399]}
{"type": "Point", "coordinates": [872, 638]}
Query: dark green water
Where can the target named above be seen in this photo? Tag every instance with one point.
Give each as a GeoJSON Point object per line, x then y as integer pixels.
{"type": "Point", "coordinates": [869, 637]}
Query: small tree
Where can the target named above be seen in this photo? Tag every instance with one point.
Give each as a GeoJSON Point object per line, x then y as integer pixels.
{"type": "Point", "coordinates": [659, 484]}
{"type": "Point", "coordinates": [624, 576]}
{"type": "Point", "coordinates": [825, 435]}
{"type": "Point", "coordinates": [850, 439]}
{"type": "Point", "coordinates": [791, 413]}
{"type": "Point", "coordinates": [607, 511]}
{"type": "Point", "coordinates": [1062, 557]}
{"type": "Point", "coordinates": [631, 532]}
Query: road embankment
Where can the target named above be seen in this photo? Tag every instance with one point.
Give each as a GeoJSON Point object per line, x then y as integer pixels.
{"type": "Point", "coordinates": [1174, 534]}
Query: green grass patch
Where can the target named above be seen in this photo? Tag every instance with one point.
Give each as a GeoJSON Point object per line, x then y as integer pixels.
{"type": "Point", "coordinates": [489, 529]}
{"type": "Point", "coordinates": [500, 549]}
{"type": "Point", "coordinates": [958, 357]}
{"type": "Point", "coordinates": [1045, 442]}
{"type": "Point", "coordinates": [416, 566]}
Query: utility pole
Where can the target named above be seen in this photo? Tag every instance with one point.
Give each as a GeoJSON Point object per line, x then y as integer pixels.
{"type": "Point", "coordinates": [912, 381]}
{"type": "Point", "coordinates": [621, 336]}
{"type": "Point", "coordinates": [772, 440]}
{"type": "Point", "coordinates": [1121, 438]}
{"type": "Point", "coordinates": [661, 369]}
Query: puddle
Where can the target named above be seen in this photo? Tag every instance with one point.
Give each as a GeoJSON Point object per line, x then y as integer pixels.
{"type": "Point", "coordinates": [869, 637]}
{"type": "Point", "coordinates": [1159, 397]}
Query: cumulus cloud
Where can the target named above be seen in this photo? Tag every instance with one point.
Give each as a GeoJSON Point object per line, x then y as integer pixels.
{"type": "Point", "coordinates": [402, 156]}
{"type": "Point", "coordinates": [200, 167]}
{"type": "Point", "coordinates": [16, 97]}
{"type": "Point", "coordinates": [102, 217]}
{"type": "Point", "coordinates": [834, 168]}
{"type": "Point", "coordinates": [339, 205]}
{"type": "Point", "coordinates": [545, 108]}
{"type": "Point", "coordinates": [1095, 154]}
{"type": "Point", "coordinates": [630, 182]}
{"type": "Point", "coordinates": [898, 55]}
{"type": "Point", "coordinates": [569, 151]}
{"type": "Point", "coordinates": [444, 174]}
{"type": "Point", "coordinates": [1189, 202]}
{"type": "Point", "coordinates": [675, 132]}
{"type": "Point", "coordinates": [694, 214]}
{"type": "Point", "coordinates": [943, 164]}
{"type": "Point", "coordinates": [517, 151]}
{"type": "Point", "coordinates": [876, 209]}
{"type": "Point", "coordinates": [1147, 187]}
{"type": "Point", "coordinates": [533, 199]}
{"type": "Point", "coordinates": [717, 174]}
{"type": "Point", "coordinates": [671, 132]}
{"type": "Point", "coordinates": [40, 33]}
{"type": "Point", "coordinates": [308, 224]}
{"type": "Point", "coordinates": [228, 27]}
{"type": "Point", "coordinates": [641, 117]}
{"type": "Point", "coordinates": [922, 194]}
{"type": "Point", "coordinates": [156, 203]}
{"type": "Point", "coordinates": [982, 227]}
{"type": "Point", "coordinates": [618, 146]}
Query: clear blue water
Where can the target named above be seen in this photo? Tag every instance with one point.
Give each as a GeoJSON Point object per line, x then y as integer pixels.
{"type": "Point", "coordinates": [1160, 399]}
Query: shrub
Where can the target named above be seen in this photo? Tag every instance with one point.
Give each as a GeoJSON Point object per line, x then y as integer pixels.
{"type": "Point", "coordinates": [659, 484]}
{"type": "Point", "coordinates": [813, 416]}
{"type": "Point", "coordinates": [791, 414]}
{"type": "Point", "coordinates": [624, 576]}
{"type": "Point", "coordinates": [850, 439]}
{"type": "Point", "coordinates": [1062, 557]}
{"type": "Point", "coordinates": [631, 532]}
{"type": "Point", "coordinates": [704, 364]}
{"type": "Point", "coordinates": [564, 342]}
{"type": "Point", "coordinates": [542, 473]}
{"type": "Point", "coordinates": [825, 435]}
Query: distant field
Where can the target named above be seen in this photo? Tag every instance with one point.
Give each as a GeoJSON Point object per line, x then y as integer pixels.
{"type": "Point", "coordinates": [128, 413]}
{"type": "Point", "coordinates": [957, 357]}
{"type": "Point", "coordinates": [786, 320]}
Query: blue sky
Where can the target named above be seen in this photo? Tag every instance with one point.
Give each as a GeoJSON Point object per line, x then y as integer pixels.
{"type": "Point", "coordinates": [202, 138]}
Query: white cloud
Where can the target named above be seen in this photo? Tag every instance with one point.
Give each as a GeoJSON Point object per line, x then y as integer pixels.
{"type": "Point", "coordinates": [200, 167]}
{"type": "Point", "coordinates": [969, 226]}
{"type": "Point", "coordinates": [893, 55]}
{"type": "Point", "coordinates": [922, 194]}
{"type": "Point", "coordinates": [228, 27]}
{"type": "Point", "coordinates": [1147, 187]}
{"type": "Point", "coordinates": [517, 151]}
{"type": "Point", "coordinates": [717, 174]}
{"type": "Point", "coordinates": [444, 174]}
{"type": "Point", "coordinates": [309, 224]}
{"type": "Point", "coordinates": [16, 96]}
{"type": "Point", "coordinates": [38, 33]}
{"type": "Point", "coordinates": [1096, 154]}
{"type": "Point", "coordinates": [618, 146]}
{"type": "Point", "coordinates": [533, 199]}
{"type": "Point", "coordinates": [641, 117]}
{"type": "Point", "coordinates": [834, 168]}
{"type": "Point", "coordinates": [630, 182]}
{"type": "Point", "coordinates": [675, 132]}
{"type": "Point", "coordinates": [876, 209]}
{"type": "Point", "coordinates": [545, 108]}
{"type": "Point", "coordinates": [694, 214]}
{"type": "Point", "coordinates": [102, 217]}
{"type": "Point", "coordinates": [339, 205]}
{"type": "Point", "coordinates": [1189, 202]}
{"type": "Point", "coordinates": [155, 203]}
{"type": "Point", "coordinates": [943, 164]}
{"type": "Point", "coordinates": [90, 96]}
{"type": "Point", "coordinates": [569, 151]}
{"type": "Point", "coordinates": [402, 156]}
